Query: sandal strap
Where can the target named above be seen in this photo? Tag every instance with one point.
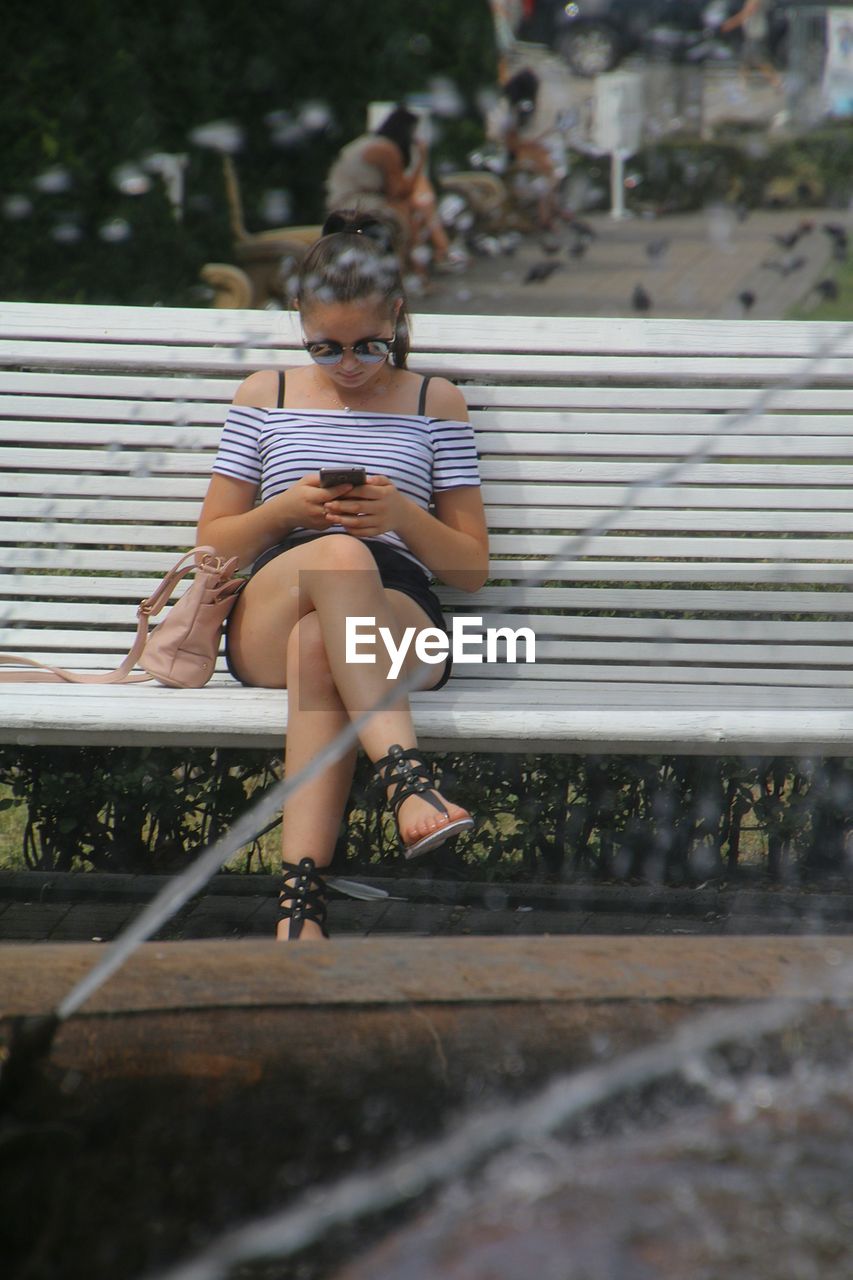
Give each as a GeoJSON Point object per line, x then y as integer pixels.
{"type": "Point", "coordinates": [305, 899]}
{"type": "Point", "coordinates": [409, 774]}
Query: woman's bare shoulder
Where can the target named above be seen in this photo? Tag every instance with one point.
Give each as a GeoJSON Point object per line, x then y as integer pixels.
{"type": "Point", "coordinates": [260, 389]}
{"type": "Point", "coordinates": [383, 151]}
{"type": "Point", "coordinates": [444, 400]}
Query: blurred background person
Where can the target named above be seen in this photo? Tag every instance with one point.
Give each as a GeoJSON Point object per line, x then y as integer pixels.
{"type": "Point", "coordinates": [385, 171]}
{"type": "Point", "coordinates": [755, 51]}
{"type": "Point", "coordinates": [525, 122]}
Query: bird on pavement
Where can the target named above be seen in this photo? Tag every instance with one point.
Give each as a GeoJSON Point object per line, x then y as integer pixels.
{"type": "Point", "coordinates": [581, 228]}
{"type": "Point", "coordinates": [655, 249]}
{"type": "Point", "coordinates": [840, 240]}
{"type": "Point", "coordinates": [785, 266]}
{"type": "Point", "coordinates": [827, 289]}
{"type": "Point", "coordinates": [836, 232]}
{"type": "Point", "coordinates": [641, 299]}
{"type": "Point", "coordinates": [746, 298]}
{"type": "Point", "coordinates": [791, 238]}
{"type": "Point", "coordinates": [541, 271]}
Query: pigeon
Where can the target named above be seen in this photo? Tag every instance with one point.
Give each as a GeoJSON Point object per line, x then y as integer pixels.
{"type": "Point", "coordinates": [746, 299]}
{"type": "Point", "coordinates": [790, 238]}
{"type": "Point", "coordinates": [640, 299]}
{"type": "Point", "coordinates": [582, 228]}
{"type": "Point", "coordinates": [550, 244]}
{"type": "Point", "coordinates": [655, 249]}
{"type": "Point", "coordinates": [786, 266]}
{"type": "Point", "coordinates": [578, 249]}
{"type": "Point", "coordinates": [541, 271]}
{"type": "Point", "coordinates": [827, 289]}
{"type": "Point", "coordinates": [837, 233]}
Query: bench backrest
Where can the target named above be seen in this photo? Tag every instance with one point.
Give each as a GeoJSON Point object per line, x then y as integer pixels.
{"type": "Point", "coordinates": [738, 570]}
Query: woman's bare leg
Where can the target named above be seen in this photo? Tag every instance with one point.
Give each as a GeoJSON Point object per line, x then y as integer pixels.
{"type": "Point", "coordinates": [290, 629]}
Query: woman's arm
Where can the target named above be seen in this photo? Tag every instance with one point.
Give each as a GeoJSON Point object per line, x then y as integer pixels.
{"type": "Point", "coordinates": [232, 523]}
{"type": "Point", "coordinates": [454, 542]}
{"type": "Point", "coordinates": [397, 181]}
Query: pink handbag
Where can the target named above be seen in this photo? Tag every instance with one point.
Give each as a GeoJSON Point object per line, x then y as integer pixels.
{"type": "Point", "coordinates": [181, 651]}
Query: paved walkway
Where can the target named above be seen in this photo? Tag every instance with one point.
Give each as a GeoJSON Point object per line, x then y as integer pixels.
{"type": "Point", "coordinates": [690, 265]}
{"type": "Point", "coordinates": [90, 906]}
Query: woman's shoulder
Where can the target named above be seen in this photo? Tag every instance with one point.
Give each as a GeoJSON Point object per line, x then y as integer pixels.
{"type": "Point", "coordinates": [377, 149]}
{"type": "Point", "coordinates": [444, 400]}
{"type": "Point", "coordinates": [259, 390]}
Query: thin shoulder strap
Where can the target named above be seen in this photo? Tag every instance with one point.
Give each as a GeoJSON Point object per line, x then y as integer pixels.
{"type": "Point", "coordinates": [423, 395]}
{"type": "Point", "coordinates": [280, 401]}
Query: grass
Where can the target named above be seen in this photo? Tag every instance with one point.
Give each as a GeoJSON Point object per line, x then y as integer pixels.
{"type": "Point", "coordinates": [13, 820]}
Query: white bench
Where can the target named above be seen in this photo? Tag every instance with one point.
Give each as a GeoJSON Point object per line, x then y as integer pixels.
{"type": "Point", "coordinates": [712, 617]}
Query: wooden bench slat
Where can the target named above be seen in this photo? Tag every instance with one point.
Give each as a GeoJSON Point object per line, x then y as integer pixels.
{"type": "Point", "coordinates": [494, 333]}
{"type": "Point", "coordinates": [146, 715]}
{"type": "Point", "coordinates": [154, 388]}
{"type": "Point", "coordinates": [70, 563]}
{"type": "Point", "coordinates": [755, 370]}
{"type": "Point", "coordinates": [803, 483]}
{"type": "Point", "coordinates": [578, 477]}
{"type": "Point", "coordinates": [825, 510]}
{"type": "Point", "coordinates": [489, 599]}
{"type": "Point", "coordinates": [546, 684]}
{"type": "Point", "coordinates": [516, 518]}
{"type": "Point", "coordinates": [51, 535]}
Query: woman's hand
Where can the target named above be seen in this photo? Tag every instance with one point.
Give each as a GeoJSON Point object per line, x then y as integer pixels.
{"type": "Point", "coordinates": [303, 504]}
{"type": "Point", "coordinates": [368, 509]}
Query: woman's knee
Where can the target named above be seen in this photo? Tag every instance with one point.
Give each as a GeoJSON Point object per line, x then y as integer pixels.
{"type": "Point", "coordinates": [339, 553]}
{"type": "Point", "coordinates": [307, 656]}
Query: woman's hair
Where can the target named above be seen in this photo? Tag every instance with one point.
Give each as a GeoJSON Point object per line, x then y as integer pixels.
{"type": "Point", "coordinates": [355, 259]}
{"type": "Point", "coordinates": [521, 92]}
{"type": "Point", "coordinates": [400, 127]}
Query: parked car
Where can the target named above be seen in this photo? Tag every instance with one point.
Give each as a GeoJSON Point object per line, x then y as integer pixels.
{"type": "Point", "coordinates": [595, 35]}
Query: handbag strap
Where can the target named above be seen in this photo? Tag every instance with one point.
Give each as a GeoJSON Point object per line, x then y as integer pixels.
{"type": "Point", "coordinates": [147, 609]}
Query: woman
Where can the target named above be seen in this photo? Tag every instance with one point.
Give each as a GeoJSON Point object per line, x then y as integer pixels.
{"type": "Point", "coordinates": [323, 554]}
{"type": "Point", "coordinates": [385, 172]}
{"type": "Point", "coordinates": [525, 122]}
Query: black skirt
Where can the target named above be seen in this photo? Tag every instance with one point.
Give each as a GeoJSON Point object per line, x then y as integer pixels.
{"type": "Point", "coordinates": [396, 572]}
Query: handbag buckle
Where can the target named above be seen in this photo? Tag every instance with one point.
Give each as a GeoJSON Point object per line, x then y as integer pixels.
{"type": "Point", "coordinates": [215, 563]}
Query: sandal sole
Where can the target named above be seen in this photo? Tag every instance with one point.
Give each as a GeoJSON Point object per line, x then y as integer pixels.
{"type": "Point", "coordinates": [437, 838]}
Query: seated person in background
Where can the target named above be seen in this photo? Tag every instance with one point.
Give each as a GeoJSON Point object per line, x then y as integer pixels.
{"type": "Point", "coordinates": [525, 123]}
{"type": "Point", "coordinates": [385, 171]}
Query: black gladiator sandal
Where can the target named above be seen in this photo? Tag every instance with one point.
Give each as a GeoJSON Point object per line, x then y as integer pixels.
{"type": "Point", "coordinates": [410, 775]}
{"type": "Point", "coordinates": [305, 899]}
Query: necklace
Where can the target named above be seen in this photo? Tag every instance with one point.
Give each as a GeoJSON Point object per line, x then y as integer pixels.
{"type": "Point", "coordinates": [373, 393]}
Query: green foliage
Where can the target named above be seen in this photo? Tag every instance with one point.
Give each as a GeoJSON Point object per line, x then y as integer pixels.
{"type": "Point", "coordinates": [102, 83]}
{"type": "Point", "coordinates": [141, 810]}
{"type": "Point", "coordinates": [680, 174]}
{"type": "Point", "coordinates": [667, 819]}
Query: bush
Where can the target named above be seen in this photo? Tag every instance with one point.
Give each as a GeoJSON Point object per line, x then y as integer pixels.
{"type": "Point", "coordinates": [670, 819]}
{"type": "Point", "coordinates": [682, 174]}
{"type": "Point", "coordinates": [104, 83]}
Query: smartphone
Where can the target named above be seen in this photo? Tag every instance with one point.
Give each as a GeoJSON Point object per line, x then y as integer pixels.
{"type": "Point", "coordinates": [330, 476]}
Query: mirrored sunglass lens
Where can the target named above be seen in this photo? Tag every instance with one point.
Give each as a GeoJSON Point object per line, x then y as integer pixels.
{"type": "Point", "coordinates": [372, 350]}
{"type": "Point", "coordinates": [325, 352]}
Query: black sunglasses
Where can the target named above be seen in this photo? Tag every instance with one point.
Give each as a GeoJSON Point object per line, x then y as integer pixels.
{"type": "Point", "coordinates": [367, 350]}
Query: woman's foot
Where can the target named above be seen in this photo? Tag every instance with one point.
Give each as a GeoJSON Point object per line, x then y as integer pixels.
{"type": "Point", "coordinates": [429, 820]}
{"type": "Point", "coordinates": [302, 903]}
{"type": "Point", "coordinates": [423, 828]}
